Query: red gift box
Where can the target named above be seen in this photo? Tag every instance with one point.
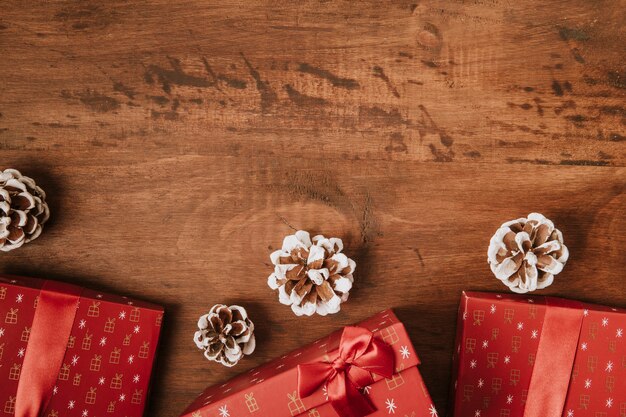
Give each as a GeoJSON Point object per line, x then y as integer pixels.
{"type": "Point", "coordinates": [66, 351]}
{"type": "Point", "coordinates": [519, 356]}
{"type": "Point", "coordinates": [273, 389]}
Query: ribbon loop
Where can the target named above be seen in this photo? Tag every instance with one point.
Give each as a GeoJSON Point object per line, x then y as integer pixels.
{"type": "Point", "coordinates": [359, 355]}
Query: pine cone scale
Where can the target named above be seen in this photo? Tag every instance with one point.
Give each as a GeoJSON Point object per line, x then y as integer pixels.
{"type": "Point", "coordinates": [31, 224]}
{"type": "Point", "coordinates": [317, 264]}
{"type": "Point", "coordinates": [548, 247]}
{"type": "Point", "coordinates": [237, 328]}
{"type": "Point", "coordinates": [296, 273]}
{"type": "Point", "coordinates": [22, 202]}
{"type": "Point", "coordinates": [325, 291]}
{"type": "Point", "coordinates": [300, 291]}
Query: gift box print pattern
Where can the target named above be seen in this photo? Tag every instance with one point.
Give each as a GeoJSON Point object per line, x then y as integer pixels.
{"type": "Point", "coordinates": [496, 350]}
{"type": "Point", "coordinates": [109, 357]}
{"type": "Point", "coordinates": [272, 388]}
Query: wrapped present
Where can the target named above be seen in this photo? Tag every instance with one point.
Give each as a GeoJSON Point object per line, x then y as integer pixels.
{"type": "Point", "coordinates": [520, 356]}
{"type": "Point", "coordinates": [370, 370]}
{"type": "Point", "coordinates": [63, 350]}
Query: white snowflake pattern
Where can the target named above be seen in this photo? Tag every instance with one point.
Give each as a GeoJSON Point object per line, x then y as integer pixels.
{"type": "Point", "coordinates": [103, 341]}
{"type": "Point", "coordinates": [366, 390]}
{"type": "Point", "coordinates": [136, 379]}
{"type": "Point", "coordinates": [507, 359]}
{"type": "Point", "coordinates": [131, 359]}
{"type": "Point", "coordinates": [19, 298]}
{"type": "Point", "coordinates": [55, 390]}
{"type": "Point", "coordinates": [71, 404]}
{"type": "Point", "coordinates": [391, 406]}
{"type": "Point", "coordinates": [21, 352]}
{"type": "Point", "coordinates": [530, 300]}
{"type": "Point", "coordinates": [473, 363]}
{"type": "Point", "coordinates": [609, 366]}
{"type": "Point", "coordinates": [1, 332]}
{"type": "Point", "coordinates": [224, 411]}
{"type": "Point", "coordinates": [75, 359]}
{"type": "Point", "coordinates": [404, 351]}
{"type": "Point", "coordinates": [492, 309]}
{"type": "Point", "coordinates": [99, 296]}
{"type": "Point", "coordinates": [605, 321]}
{"type": "Point", "coordinates": [122, 315]}
{"type": "Point", "coordinates": [485, 344]}
{"type": "Point", "coordinates": [101, 380]}
{"type": "Point", "coordinates": [85, 413]}
{"type": "Point", "coordinates": [583, 346]}
{"type": "Point", "coordinates": [325, 392]}
{"type": "Point", "coordinates": [570, 413]}
{"type": "Point", "coordinates": [534, 334]}
{"type": "Point", "coordinates": [481, 383]}
{"type": "Point", "coordinates": [122, 398]}
{"type": "Point", "coordinates": [585, 312]}
{"type": "Point", "coordinates": [136, 329]}
{"type": "Point", "coordinates": [509, 399]}
{"type": "Point", "coordinates": [520, 326]}
{"type": "Point", "coordinates": [609, 402]}
{"type": "Point", "coordinates": [82, 324]}
{"type": "Point", "coordinates": [477, 413]}
{"type": "Point", "coordinates": [433, 411]}
{"type": "Point", "coordinates": [618, 332]}
{"type": "Point", "coordinates": [587, 383]}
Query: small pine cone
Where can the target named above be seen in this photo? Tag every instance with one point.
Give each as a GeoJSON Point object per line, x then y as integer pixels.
{"type": "Point", "coordinates": [226, 334]}
{"type": "Point", "coordinates": [23, 210]}
{"type": "Point", "coordinates": [526, 253]}
{"type": "Point", "coordinates": [311, 277]}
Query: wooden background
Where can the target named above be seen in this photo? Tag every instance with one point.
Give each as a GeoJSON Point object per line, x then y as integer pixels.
{"type": "Point", "coordinates": [179, 141]}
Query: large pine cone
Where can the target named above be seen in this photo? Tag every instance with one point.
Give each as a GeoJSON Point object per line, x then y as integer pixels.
{"type": "Point", "coordinates": [23, 210]}
{"type": "Point", "coordinates": [311, 277]}
{"type": "Point", "coordinates": [526, 253]}
{"type": "Point", "coordinates": [226, 334]}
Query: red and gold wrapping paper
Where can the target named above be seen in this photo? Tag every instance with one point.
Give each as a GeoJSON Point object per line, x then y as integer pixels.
{"type": "Point", "coordinates": [108, 357]}
{"type": "Point", "coordinates": [512, 354]}
{"type": "Point", "coordinates": [272, 389]}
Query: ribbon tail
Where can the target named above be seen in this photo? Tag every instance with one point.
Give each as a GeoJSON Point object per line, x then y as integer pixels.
{"type": "Point", "coordinates": [346, 399]}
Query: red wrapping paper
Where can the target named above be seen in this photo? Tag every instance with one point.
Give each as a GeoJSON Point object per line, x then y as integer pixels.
{"type": "Point", "coordinates": [521, 356]}
{"type": "Point", "coordinates": [272, 389]}
{"type": "Point", "coordinates": [107, 358]}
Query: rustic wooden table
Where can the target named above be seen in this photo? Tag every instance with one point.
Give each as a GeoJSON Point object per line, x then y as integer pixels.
{"type": "Point", "coordinates": [179, 141]}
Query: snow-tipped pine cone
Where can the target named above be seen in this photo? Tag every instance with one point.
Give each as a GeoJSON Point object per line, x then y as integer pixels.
{"type": "Point", "coordinates": [23, 210]}
{"type": "Point", "coordinates": [311, 276]}
{"type": "Point", "coordinates": [526, 253]}
{"type": "Point", "coordinates": [226, 334]}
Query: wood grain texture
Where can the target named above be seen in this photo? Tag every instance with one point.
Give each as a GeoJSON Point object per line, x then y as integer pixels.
{"type": "Point", "coordinates": [180, 141]}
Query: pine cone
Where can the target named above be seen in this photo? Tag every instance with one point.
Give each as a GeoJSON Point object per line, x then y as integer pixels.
{"type": "Point", "coordinates": [311, 277]}
{"type": "Point", "coordinates": [226, 334]}
{"type": "Point", "coordinates": [526, 253]}
{"type": "Point", "coordinates": [23, 210]}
